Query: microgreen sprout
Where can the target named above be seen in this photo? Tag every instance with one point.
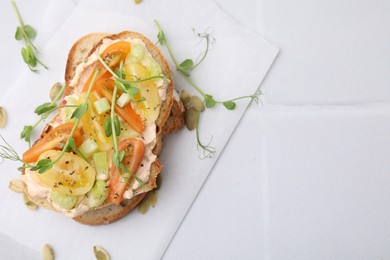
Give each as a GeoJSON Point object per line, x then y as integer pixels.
{"type": "Point", "coordinates": [185, 68]}
{"type": "Point", "coordinates": [207, 150]}
{"type": "Point", "coordinates": [27, 33]}
{"type": "Point", "coordinates": [44, 111]}
{"type": "Point", "coordinates": [7, 152]}
{"type": "Point", "coordinates": [44, 165]}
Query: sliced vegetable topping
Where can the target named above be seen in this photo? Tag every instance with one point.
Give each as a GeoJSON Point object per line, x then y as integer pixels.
{"type": "Point", "coordinates": [88, 147]}
{"type": "Point", "coordinates": [93, 125]}
{"type": "Point", "coordinates": [98, 194]}
{"type": "Point", "coordinates": [63, 201]}
{"type": "Point", "coordinates": [150, 107]}
{"type": "Point", "coordinates": [54, 140]}
{"type": "Point", "coordinates": [71, 175]}
{"type": "Point", "coordinates": [105, 88]}
{"type": "Point", "coordinates": [133, 153]}
{"type": "Point", "coordinates": [112, 55]}
{"type": "Point", "coordinates": [101, 165]}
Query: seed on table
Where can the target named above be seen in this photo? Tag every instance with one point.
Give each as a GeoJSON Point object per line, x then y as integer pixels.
{"type": "Point", "coordinates": [3, 117]}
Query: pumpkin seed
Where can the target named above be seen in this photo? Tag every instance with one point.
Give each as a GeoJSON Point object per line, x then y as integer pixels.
{"type": "Point", "coordinates": [184, 95]}
{"type": "Point", "coordinates": [47, 252]}
{"type": "Point", "coordinates": [143, 207]}
{"type": "Point", "coordinates": [16, 185]}
{"type": "Point", "coordinates": [55, 89]}
{"type": "Point", "coordinates": [153, 197]}
{"type": "Point", "coordinates": [3, 117]}
{"type": "Point", "coordinates": [185, 99]}
{"type": "Point", "coordinates": [100, 253]}
{"type": "Point", "coordinates": [197, 103]}
{"type": "Point", "coordinates": [28, 203]}
{"type": "Point", "coordinates": [191, 117]}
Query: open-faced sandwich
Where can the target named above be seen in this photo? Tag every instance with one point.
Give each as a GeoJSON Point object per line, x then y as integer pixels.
{"type": "Point", "coordinates": [98, 157]}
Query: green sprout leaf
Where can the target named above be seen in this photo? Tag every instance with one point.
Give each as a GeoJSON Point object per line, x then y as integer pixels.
{"type": "Point", "coordinates": [229, 105]}
{"type": "Point", "coordinates": [80, 111]}
{"type": "Point", "coordinates": [186, 66]}
{"type": "Point", "coordinates": [27, 33]}
{"type": "Point", "coordinates": [43, 165]}
{"type": "Point", "coordinates": [161, 37]}
{"type": "Point", "coordinates": [117, 126]}
{"type": "Point", "coordinates": [107, 126]}
{"type": "Point", "coordinates": [30, 32]}
{"type": "Point", "coordinates": [45, 107]}
{"type": "Point", "coordinates": [26, 133]}
{"type": "Point", "coordinates": [25, 55]}
{"type": "Point", "coordinates": [72, 144]}
{"type": "Point", "coordinates": [209, 101]}
{"type": "Point", "coordinates": [18, 34]}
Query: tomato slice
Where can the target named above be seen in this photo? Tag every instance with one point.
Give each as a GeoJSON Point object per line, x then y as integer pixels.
{"type": "Point", "coordinates": [71, 175]}
{"type": "Point", "coordinates": [112, 55]}
{"type": "Point", "coordinates": [105, 88]}
{"type": "Point", "coordinates": [54, 140]}
{"type": "Point", "coordinates": [134, 152]}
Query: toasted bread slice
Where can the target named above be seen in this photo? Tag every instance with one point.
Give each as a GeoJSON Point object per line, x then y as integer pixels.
{"type": "Point", "coordinates": [171, 118]}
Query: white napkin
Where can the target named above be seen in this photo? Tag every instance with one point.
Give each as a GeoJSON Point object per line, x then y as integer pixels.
{"type": "Point", "coordinates": [235, 66]}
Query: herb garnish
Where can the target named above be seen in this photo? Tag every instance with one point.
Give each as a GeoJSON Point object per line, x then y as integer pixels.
{"type": "Point", "coordinates": [27, 33]}
{"type": "Point", "coordinates": [44, 165]}
{"type": "Point", "coordinates": [185, 69]}
{"type": "Point", "coordinates": [44, 111]}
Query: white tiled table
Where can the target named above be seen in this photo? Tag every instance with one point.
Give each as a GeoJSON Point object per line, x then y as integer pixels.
{"type": "Point", "coordinates": [306, 175]}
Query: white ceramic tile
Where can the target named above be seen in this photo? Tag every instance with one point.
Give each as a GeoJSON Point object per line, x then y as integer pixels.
{"type": "Point", "coordinates": [327, 183]}
{"type": "Point", "coordinates": [332, 52]}
{"type": "Point", "coordinates": [226, 219]}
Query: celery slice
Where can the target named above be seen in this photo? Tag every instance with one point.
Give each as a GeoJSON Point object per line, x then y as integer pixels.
{"type": "Point", "coordinates": [88, 147]}
{"type": "Point", "coordinates": [101, 165]}
{"type": "Point", "coordinates": [102, 105]}
{"type": "Point", "coordinates": [136, 54]}
{"type": "Point", "coordinates": [63, 201]}
{"type": "Point", "coordinates": [123, 100]}
{"type": "Point", "coordinates": [98, 194]}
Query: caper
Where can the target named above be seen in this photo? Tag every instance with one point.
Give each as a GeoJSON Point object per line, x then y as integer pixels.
{"type": "Point", "coordinates": [16, 185]}
{"type": "Point", "coordinates": [191, 117]}
{"type": "Point", "coordinates": [197, 103]}
{"type": "Point", "coordinates": [47, 252]}
{"type": "Point", "coordinates": [3, 117]}
{"type": "Point", "coordinates": [55, 90]}
{"type": "Point", "coordinates": [100, 253]}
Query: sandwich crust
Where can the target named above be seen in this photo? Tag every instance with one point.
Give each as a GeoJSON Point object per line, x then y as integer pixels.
{"type": "Point", "coordinates": [171, 118]}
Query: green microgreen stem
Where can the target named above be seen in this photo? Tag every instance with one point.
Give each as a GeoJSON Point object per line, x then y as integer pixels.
{"type": "Point", "coordinates": [114, 140]}
{"type": "Point", "coordinates": [27, 33]}
{"type": "Point", "coordinates": [208, 151]}
{"type": "Point", "coordinates": [45, 115]}
{"type": "Point", "coordinates": [17, 14]}
{"type": "Point", "coordinates": [8, 153]}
